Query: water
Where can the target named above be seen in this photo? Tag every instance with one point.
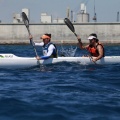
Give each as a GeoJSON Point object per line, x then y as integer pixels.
{"type": "Point", "coordinates": [63, 91]}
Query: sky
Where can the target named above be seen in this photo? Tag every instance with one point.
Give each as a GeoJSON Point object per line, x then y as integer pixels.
{"type": "Point", "coordinates": [106, 10]}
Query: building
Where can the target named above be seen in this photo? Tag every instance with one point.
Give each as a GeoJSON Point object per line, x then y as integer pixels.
{"type": "Point", "coordinates": [27, 12]}
{"type": "Point", "coordinates": [82, 16]}
{"type": "Point", "coordinates": [46, 18]}
{"type": "Point", "coordinates": [58, 20]}
{"type": "Point", "coordinates": [17, 18]}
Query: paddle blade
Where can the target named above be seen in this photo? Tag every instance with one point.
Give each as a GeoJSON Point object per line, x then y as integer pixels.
{"type": "Point", "coordinates": [69, 24]}
{"type": "Point", "coordinates": [25, 19]}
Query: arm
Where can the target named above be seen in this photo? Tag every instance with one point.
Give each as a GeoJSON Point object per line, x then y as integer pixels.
{"type": "Point", "coordinates": [100, 51]}
{"type": "Point", "coordinates": [31, 40]}
{"type": "Point", "coordinates": [81, 44]}
{"type": "Point", "coordinates": [39, 44]}
{"type": "Point", "coordinates": [50, 51]}
{"type": "Point", "coordinates": [33, 43]}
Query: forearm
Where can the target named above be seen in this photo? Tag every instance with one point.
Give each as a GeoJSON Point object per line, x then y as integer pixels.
{"type": "Point", "coordinates": [99, 57]}
{"type": "Point", "coordinates": [80, 44]}
{"type": "Point", "coordinates": [39, 44]}
{"type": "Point", "coordinates": [36, 44]}
{"type": "Point", "coordinates": [32, 43]}
{"type": "Point", "coordinates": [101, 53]}
{"type": "Point", "coordinates": [48, 55]}
{"type": "Point", "coordinates": [44, 57]}
{"type": "Point", "coordinates": [94, 59]}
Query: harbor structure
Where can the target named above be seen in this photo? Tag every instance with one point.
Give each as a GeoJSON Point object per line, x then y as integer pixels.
{"type": "Point", "coordinates": [82, 16]}
{"type": "Point", "coordinates": [45, 18]}
{"type": "Point", "coordinates": [17, 18]}
{"type": "Point", "coordinates": [27, 12]}
{"type": "Point", "coordinates": [16, 32]}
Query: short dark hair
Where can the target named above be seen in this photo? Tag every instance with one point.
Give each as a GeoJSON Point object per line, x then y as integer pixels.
{"type": "Point", "coordinates": [48, 34]}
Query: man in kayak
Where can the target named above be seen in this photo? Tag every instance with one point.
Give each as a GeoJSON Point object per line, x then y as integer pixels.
{"type": "Point", "coordinates": [95, 48]}
{"type": "Point", "coordinates": [49, 49]}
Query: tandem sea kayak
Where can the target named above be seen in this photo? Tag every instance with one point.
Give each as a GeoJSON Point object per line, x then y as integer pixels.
{"type": "Point", "coordinates": [11, 61]}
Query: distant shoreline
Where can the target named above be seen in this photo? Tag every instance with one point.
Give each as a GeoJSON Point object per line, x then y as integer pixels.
{"type": "Point", "coordinates": [107, 33]}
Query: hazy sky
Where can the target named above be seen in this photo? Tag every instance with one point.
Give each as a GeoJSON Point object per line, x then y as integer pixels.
{"type": "Point", "coordinates": [106, 9]}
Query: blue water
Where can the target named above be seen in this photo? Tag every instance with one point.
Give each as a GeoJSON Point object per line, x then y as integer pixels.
{"type": "Point", "coordinates": [63, 91]}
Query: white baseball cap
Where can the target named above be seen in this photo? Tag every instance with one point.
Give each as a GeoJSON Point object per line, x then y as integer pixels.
{"type": "Point", "coordinates": [91, 37]}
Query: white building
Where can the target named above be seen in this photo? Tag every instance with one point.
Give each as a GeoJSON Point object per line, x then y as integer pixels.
{"type": "Point", "coordinates": [46, 18]}
{"type": "Point", "coordinates": [27, 12]}
{"type": "Point", "coordinates": [58, 20]}
{"type": "Point", "coordinates": [17, 18]}
{"type": "Point", "coordinates": [82, 16]}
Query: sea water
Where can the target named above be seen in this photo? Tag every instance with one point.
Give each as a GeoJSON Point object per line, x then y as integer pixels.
{"type": "Point", "coordinates": [62, 91]}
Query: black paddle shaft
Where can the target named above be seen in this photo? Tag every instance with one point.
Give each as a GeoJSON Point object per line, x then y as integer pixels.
{"type": "Point", "coordinates": [70, 25]}
{"type": "Point", "coordinates": [26, 22]}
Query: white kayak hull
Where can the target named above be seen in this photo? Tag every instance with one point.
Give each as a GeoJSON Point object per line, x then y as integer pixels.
{"type": "Point", "coordinates": [10, 61]}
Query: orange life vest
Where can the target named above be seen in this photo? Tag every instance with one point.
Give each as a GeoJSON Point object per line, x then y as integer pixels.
{"type": "Point", "coordinates": [93, 50]}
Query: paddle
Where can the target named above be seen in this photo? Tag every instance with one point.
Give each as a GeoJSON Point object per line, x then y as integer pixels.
{"type": "Point", "coordinates": [71, 27]}
{"type": "Point", "coordinates": [26, 22]}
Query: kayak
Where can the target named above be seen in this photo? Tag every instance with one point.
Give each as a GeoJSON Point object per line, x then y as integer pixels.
{"type": "Point", "coordinates": [11, 61]}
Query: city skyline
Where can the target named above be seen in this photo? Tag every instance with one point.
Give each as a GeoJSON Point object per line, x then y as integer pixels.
{"type": "Point", "coordinates": [106, 10]}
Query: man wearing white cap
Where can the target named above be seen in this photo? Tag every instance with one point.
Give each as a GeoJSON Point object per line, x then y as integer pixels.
{"type": "Point", "coordinates": [95, 48]}
{"type": "Point", "coordinates": [49, 49]}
